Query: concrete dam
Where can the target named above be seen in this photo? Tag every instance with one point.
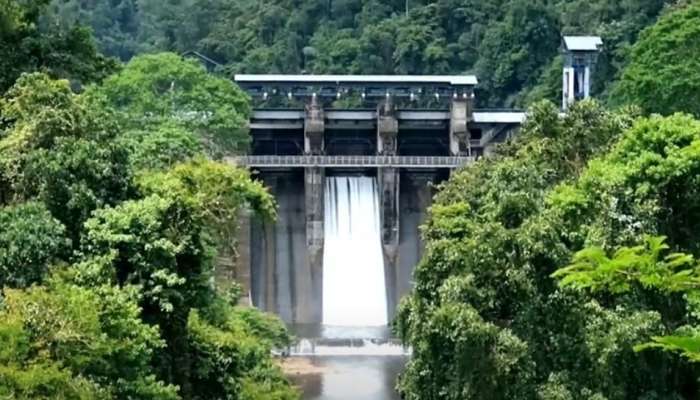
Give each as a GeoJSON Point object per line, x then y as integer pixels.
{"type": "Point", "coordinates": [353, 162]}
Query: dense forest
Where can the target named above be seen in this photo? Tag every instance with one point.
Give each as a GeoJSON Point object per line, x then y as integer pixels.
{"type": "Point", "coordinates": [112, 212]}
{"type": "Point", "coordinates": [564, 267]}
{"type": "Point", "coordinates": [561, 268]}
{"type": "Point", "coordinates": [511, 45]}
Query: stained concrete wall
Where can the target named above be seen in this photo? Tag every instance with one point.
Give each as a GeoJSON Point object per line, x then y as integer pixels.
{"type": "Point", "coordinates": [415, 196]}
{"type": "Point", "coordinates": [283, 279]}
{"type": "Point", "coordinates": [280, 273]}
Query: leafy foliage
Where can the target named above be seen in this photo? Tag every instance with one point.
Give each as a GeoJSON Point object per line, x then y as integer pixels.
{"type": "Point", "coordinates": [60, 149]}
{"type": "Point", "coordinates": [62, 51]}
{"type": "Point", "coordinates": [662, 74]}
{"type": "Point", "coordinates": [116, 227]}
{"type": "Point", "coordinates": [161, 147]}
{"type": "Point", "coordinates": [165, 243]}
{"type": "Point", "coordinates": [163, 89]}
{"type": "Point", "coordinates": [592, 269]}
{"type": "Point", "coordinates": [31, 240]}
{"type": "Point", "coordinates": [646, 265]}
{"type": "Point", "coordinates": [72, 342]}
{"type": "Point", "coordinates": [501, 227]}
{"type": "Point", "coordinates": [512, 45]}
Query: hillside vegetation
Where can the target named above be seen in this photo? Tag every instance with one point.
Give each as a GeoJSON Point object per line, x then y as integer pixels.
{"type": "Point", "coordinates": [112, 209]}
{"type": "Point", "coordinates": [563, 267]}
{"type": "Point", "coordinates": [512, 45]}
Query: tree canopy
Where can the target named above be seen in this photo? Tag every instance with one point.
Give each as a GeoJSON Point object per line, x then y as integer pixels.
{"type": "Point", "coordinates": [163, 90]}
{"type": "Point", "coordinates": [64, 51]}
{"type": "Point", "coordinates": [662, 73]}
{"type": "Point", "coordinates": [485, 309]}
{"type": "Point", "coordinates": [108, 252]}
{"type": "Point", "coordinates": [512, 45]}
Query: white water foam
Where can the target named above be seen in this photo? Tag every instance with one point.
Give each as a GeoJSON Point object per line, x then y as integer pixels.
{"type": "Point", "coordinates": [359, 347]}
{"type": "Point", "coordinates": [354, 293]}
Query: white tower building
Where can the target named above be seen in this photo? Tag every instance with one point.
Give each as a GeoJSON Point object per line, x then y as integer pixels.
{"type": "Point", "coordinates": [580, 56]}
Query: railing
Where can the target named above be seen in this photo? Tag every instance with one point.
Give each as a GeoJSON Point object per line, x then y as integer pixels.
{"type": "Point", "coordinates": [350, 161]}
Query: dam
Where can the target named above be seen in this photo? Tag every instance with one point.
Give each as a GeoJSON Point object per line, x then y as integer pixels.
{"type": "Point", "coordinates": [353, 162]}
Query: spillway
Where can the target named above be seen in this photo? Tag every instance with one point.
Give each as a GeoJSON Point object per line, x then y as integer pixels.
{"type": "Point", "coordinates": [354, 291]}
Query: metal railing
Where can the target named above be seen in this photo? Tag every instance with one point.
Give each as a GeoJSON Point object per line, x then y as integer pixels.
{"type": "Point", "coordinates": [350, 161]}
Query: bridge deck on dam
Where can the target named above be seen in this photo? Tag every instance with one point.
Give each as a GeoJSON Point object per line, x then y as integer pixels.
{"type": "Point", "coordinates": [276, 118]}
{"type": "Point", "coordinates": [416, 162]}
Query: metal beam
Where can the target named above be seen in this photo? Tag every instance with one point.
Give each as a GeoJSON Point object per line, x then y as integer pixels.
{"type": "Point", "coordinates": [452, 80]}
{"type": "Point", "coordinates": [480, 117]}
{"type": "Point", "coordinates": [349, 161]}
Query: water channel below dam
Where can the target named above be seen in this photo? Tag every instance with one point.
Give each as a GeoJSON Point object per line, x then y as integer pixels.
{"type": "Point", "coordinates": [344, 348]}
{"type": "Point", "coordinates": [352, 354]}
{"type": "Point", "coordinates": [346, 377]}
{"type": "Point", "coordinates": [343, 362]}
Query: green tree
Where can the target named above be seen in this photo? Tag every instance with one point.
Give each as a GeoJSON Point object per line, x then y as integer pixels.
{"type": "Point", "coordinates": [514, 50]}
{"type": "Point", "coordinates": [115, 24]}
{"type": "Point", "coordinates": [31, 240]}
{"type": "Point", "coordinates": [160, 147]}
{"type": "Point", "coordinates": [661, 76]}
{"type": "Point", "coordinates": [158, 89]}
{"type": "Point", "coordinates": [61, 150]}
{"type": "Point", "coordinates": [129, 308]}
{"type": "Point", "coordinates": [66, 341]}
{"type": "Point", "coordinates": [511, 44]}
{"type": "Point", "coordinates": [165, 243]}
{"type": "Point", "coordinates": [646, 266]}
{"type": "Point", "coordinates": [486, 320]}
{"type": "Point", "coordinates": [61, 51]}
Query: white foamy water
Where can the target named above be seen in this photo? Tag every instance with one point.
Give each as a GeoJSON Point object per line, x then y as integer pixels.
{"type": "Point", "coordinates": [354, 293]}
{"type": "Point", "coordinates": [358, 347]}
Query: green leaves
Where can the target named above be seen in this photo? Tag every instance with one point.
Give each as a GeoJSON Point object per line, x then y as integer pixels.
{"type": "Point", "coordinates": [124, 259]}
{"type": "Point", "coordinates": [61, 51]}
{"type": "Point", "coordinates": [163, 91]}
{"type": "Point", "coordinates": [688, 346]}
{"type": "Point", "coordinates": [661, 76]}
{"type": "Point", "coordinates": [31, 240]}
{"type": "Point", "coordinates": [646, 264]}
{"type": "Point", "coordinates": [66, 341]}
{"type": "Point", "coordinates": [60, 150]}
{"type": "Point", "coordinates": [499, 229]}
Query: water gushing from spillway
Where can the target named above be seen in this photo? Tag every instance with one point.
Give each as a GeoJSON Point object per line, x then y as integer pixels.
{"type": "Point", "coordinates": [354, 292]}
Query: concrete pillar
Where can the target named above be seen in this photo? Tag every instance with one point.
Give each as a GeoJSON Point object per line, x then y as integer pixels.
{"type": "Point", "coordinates": [461, 114]}
{"type": "Point", "coordinates": [313, 128]}
{"type": "Point", "coordinates": [387, 128]}
{"type": "Point", "coordinates": [568, 92]}
{"type": "Point", "coordinates": [270, 280]}
{"type": "Point", "coordinates": [389, 213]}
{"type": "Point", "coordinates": [314, 203]}
{"type": "Point", "coordinates": [416, 194]}
{"type": "Point", "coordinates": [242, 260]}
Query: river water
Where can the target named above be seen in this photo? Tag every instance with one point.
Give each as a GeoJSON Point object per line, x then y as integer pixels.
{"type": "Point", "coordinates": [350, 377]}
{"type": "Point", "coordinates": [333, 363]}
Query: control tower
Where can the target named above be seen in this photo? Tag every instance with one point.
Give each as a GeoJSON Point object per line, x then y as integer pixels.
{"type": "Point", "coordinates": [580, 56]}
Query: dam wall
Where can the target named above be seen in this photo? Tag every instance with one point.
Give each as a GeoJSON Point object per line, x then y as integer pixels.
{"type": "Point", "coordinates": [381, 161]}
{"type": "Point", "coordinates": [284, 276]}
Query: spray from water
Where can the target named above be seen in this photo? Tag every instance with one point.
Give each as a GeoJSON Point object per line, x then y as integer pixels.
{"type": "Point", "coordinates": [354, 293]}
